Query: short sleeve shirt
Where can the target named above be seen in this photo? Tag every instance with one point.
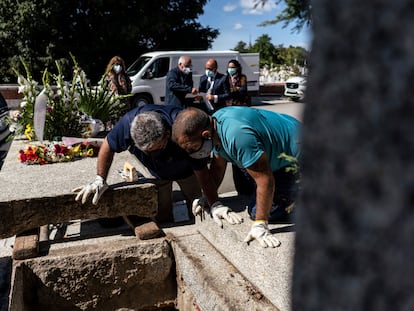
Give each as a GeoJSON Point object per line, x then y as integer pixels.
{"type": "Point", "coordinates": [246, 133]}
{"type": "Point", "coordinates": [172, 164]}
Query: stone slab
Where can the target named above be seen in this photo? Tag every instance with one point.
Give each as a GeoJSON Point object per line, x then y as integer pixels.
{"type": "Point", "coordinates": [101, 274]}
{"type": "Point", "coordinates": [26, 245]}
{"type": "Point", "coordinates": [207, 281]}
{"type": "Point", "coordinates": [268, 269]}
{"type": "Point", "coordinates": [35, 195]}
{"type": "Point", "coordinates": [144, 229]}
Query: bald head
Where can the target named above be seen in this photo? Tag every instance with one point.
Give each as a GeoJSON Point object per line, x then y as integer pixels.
{"type": "Point", "coordinates": [185, 61]}
{"type": "Point", "coordinates": [211, 64]}
{"type": "Point", "coordinates": [189, 124]}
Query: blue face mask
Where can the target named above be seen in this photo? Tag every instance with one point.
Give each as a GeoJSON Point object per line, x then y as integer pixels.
{"type": "Point", "coordinates": [204, 151]}
{"type": "Point", "coordinates": [210, 73]}
{"type": "Point", "coordinates": [231, 70]}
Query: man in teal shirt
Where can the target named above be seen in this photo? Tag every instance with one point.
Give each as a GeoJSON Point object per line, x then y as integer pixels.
{"type": "Point", "coordinates": [264, 143]}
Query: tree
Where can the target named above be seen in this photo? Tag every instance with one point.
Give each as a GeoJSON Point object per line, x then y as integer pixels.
{"type": "Point", "coordinates": [270, 55]}
{"type": "Point", "coordinates": [94, 31]}
{"type": "Point", "coordinates": [298, 11]}
{"type": "Point", "coordinates": [291, 56]}
{"type": "Point", "coordinates": [241, 47]}
{"type": "Point", "coordinates": [264, 46]}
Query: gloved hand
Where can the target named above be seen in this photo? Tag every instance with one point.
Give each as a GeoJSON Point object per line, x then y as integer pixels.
{"type": "Point", "coordinates": [220, 211]}
{"type": "Point", "coordinates": [198, 207]}
{"type": "Point", "coordinates": [261, 233]}
{"type": "Point", "coordinates": [97, 188]}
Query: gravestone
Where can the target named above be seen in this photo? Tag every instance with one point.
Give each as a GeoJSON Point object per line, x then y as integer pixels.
{"type": "Point", "coordinates": [355, 220]}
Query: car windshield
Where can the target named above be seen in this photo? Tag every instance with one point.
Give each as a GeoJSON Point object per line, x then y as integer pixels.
{"type": "Point", "coordinates": [3, 103]}
{"type": "Point", "coordinates": [137, 65]}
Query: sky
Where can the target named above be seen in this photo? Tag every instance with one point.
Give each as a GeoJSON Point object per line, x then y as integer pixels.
{"type": "Point", "coordinates": [237, 21]}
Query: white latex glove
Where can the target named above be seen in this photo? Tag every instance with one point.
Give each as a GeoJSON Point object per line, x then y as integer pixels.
{"type": "Point", "coordinates": [261, 233]}
{"type": "Point", "coordinates": [220, 211]}
{"type": "Point", "coordinates": [97, 188]}
{"type": "Point", "coordinates": [198, 207]}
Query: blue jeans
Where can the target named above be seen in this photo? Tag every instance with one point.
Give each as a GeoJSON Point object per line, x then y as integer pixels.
{"type": "Point", "coordinates": [286, 191]}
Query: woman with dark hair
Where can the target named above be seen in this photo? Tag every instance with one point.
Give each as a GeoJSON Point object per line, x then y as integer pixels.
{"type": "Point", "coordinates": [237, 85]}
{"type": "Point", "coordinates": [118, 81]}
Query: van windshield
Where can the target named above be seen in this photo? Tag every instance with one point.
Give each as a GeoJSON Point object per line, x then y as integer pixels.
{"type": "Point", "coordinates": [137, 65]}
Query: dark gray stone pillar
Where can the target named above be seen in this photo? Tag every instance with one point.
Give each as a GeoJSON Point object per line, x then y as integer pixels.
{"type": "Point", "coordinates": [355, 222]}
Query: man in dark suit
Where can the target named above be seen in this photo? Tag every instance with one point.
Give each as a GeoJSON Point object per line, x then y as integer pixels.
{"type": "Point", "coordinates": [179, 83]}
{"type": "Point", "coordinates": [215, 85]}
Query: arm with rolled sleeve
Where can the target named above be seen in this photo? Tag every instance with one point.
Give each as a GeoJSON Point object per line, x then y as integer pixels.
{"type": "Point", "coordinates": [263, 176]}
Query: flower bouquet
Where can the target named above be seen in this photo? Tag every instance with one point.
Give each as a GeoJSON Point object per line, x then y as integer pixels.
{"type": "Point", "coordinates": [57, 152]}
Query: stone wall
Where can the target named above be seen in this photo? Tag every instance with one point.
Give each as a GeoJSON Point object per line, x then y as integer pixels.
{"type": "Point", "coordinates": [11, 95]}
{"type": "Point", "coordinates": [126, 275]}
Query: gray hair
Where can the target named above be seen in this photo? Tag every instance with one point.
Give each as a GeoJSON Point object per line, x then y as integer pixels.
{"type": "Point", "coordinates": [183, 59]}
{"type": "Point", "coordinates": [147, 129]}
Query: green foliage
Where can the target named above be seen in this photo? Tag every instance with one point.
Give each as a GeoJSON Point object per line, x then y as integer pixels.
{"type": "Point", "coordinates": [271, 55]}
{"type": "Point", "coordinates": [295, 11]}
{"type": "Point", "coordinates": [63, 118]}
{"type": "Point", "coordinates": [66, 101]}
{"type": "Point", "coordinates": [29, 88]}
{"type": "Point", "coordinates": [241, 47]}
{"type": "Point", "coordinates": [264, 45]}
{"type": "Point", "coordinates": [97, 101]}
{"type": "Point", "coordinates": [293, 163]}
{"type": "Point", "coordinates": [43, 32]}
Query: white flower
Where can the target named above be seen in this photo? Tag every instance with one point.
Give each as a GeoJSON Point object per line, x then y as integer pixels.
{"type": "Point", "coordinates": [21, 80]}
{"type": "Point", "coordinates": [31, 93]}
{"type": "Point", "coordinates": [22, 89]}
{"type": "Point", "coordinates": [14, 114]}
{"type": "Point", "coordinates": [12, 128]}
{"type": "Point", "coordinates": [23, 104]}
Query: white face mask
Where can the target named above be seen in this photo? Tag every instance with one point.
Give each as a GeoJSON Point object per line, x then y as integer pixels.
{"type": "Point", "coordinates": [187, 70]}
{"type": "Point", "coordinates": [204, 151]}
{"type": "Point", "coordinates": [117, 68]}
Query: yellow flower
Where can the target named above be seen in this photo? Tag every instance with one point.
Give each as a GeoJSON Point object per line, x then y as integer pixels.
{"type": "Point", "coordinates": [28, 132]}
{"type": "Point", "coordinates": [89, 153]}
{"type": "Point", "coordinates": [76, 149]}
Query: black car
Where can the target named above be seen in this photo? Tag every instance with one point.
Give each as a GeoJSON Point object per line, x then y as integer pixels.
{"type": "Point", "coordinates": [4, 129]}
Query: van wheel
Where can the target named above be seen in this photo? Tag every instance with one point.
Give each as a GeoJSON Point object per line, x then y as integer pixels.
{"type": "Point", "coordinates": [142, 100]}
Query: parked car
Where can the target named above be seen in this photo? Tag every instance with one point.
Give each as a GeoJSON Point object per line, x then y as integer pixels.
{"type": "Point", "coordinates": [295, 88]}
{"type": "Point", "coordinates": [4, 129]}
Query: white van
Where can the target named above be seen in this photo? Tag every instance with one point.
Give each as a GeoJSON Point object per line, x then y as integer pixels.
{"type": "Point", "coordinates": [148, 72]}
